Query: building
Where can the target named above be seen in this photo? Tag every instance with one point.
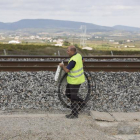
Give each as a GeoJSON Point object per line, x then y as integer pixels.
{"type": "Point", "coordinates": [60, 44]}
{"type": "Point", "coordinates": [13, 42]}
{"type": "Point", "coordinates": [87, 48]}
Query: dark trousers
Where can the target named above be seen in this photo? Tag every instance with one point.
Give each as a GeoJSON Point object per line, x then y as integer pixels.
{"type": "Point", "coordinates": [71, 93]}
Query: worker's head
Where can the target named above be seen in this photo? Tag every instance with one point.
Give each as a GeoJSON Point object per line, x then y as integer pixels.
{"type": "Point", "coordinates": [71, 50]}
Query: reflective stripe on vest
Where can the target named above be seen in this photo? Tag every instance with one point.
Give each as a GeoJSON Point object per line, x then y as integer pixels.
{"type": "Point", "coordinates": [76, 75]}
{"type": "Point", "coordinates": [76, 70]}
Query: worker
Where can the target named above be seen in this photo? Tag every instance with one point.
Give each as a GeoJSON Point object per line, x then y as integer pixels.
{"type": "Point", "coordinates": [75, 78]}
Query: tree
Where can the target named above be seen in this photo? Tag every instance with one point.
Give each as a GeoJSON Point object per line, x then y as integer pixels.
{"type": "Point", "coordinates": [121, 42]}
{"type": "Point", "coordinates": [76, 45]}
{"type": "Point", "coordinates": [66, 43]}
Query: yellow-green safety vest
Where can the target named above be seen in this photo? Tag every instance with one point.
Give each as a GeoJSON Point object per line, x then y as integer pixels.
{"type": "Point", "coordinates": [76, 75]}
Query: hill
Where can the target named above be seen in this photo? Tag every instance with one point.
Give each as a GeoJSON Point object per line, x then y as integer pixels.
{"type": "Point", "coordinates": [126, 28]}
{"type": "Point", "coordinates": [49, 23]}
{"type": "Point", "coordinates": [60, 24]}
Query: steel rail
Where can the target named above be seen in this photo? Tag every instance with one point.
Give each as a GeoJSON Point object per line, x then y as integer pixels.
{"type": "Point", "coordinates": [130, 66]}
{"type": "Point", "coordinates": [55, 63]}
{"type": "Point", "coordinates": [62, 57]}
{"type": "Point", "coordinates": [53, 68]}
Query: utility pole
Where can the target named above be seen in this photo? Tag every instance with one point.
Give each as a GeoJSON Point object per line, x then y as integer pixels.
{"type": "Point", "coordinates": [83, 36]}
{"type": "Point", "coordinates": [4, 52]}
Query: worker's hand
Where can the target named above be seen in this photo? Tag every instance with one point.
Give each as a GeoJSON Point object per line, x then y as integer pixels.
{"type": "Point", "coordinates": [61, 64]}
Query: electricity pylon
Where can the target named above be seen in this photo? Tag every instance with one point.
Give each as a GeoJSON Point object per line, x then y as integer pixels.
{"type": "Point", "coordinates": [83, 36]}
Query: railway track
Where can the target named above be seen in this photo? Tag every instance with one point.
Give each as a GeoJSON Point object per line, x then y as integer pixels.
{"type": "Point", "coordinates": [63, 57]}
{"type": "Point", "coordinates": [38, 65]}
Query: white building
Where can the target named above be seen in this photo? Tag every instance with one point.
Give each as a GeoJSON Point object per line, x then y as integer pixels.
{"type": "Point", "coordinates": [60, 44]}
{"type": "Point", "coordinates": [13, 42]}
{"type": "Point", "coordinates": [54, 40]}
{"type": "Point", "coordinates": [87, 48]}
{"type": "Point", "coordinates": [2, 38]}
{"type": "Point", "coordinates": [111, 40]}
{"type": "Point", "coordinates": [32, 37]}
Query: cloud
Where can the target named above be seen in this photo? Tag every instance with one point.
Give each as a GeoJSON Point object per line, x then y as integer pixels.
{"type": "Point", "coordinates": [97, 11]}
{"type": "Point", "coordinates": [122, 7]}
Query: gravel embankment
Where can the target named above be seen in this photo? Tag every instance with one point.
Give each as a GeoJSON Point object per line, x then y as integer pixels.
{"type": "Point", "coordinates": [112, 91]}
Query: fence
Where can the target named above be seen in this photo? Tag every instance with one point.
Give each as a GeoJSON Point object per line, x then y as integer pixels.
{"type": "Point", "coordinates": [102, 91]}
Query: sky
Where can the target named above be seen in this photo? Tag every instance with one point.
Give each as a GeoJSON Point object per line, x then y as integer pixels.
{"type": "Point", "coordinates": [100, 12]}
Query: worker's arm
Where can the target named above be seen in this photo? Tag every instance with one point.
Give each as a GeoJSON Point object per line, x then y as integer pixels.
{"type": "Point", "coordinates": [69, 67]}
{"type": "Point", "coordinates": [64, 68]}
{"type": "Point", "coordinates": [83, 60]}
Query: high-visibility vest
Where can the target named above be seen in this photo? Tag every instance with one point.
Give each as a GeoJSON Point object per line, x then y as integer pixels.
{"type": "Point", "coordinates": [76, 75]}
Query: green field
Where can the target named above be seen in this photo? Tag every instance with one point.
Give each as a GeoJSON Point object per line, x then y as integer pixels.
{"type": "Point", "coordinates": [99, 48]}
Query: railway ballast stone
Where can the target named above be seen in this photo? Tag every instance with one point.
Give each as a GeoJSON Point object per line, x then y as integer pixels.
{"type": "Point", "coordinates": [112, 91]}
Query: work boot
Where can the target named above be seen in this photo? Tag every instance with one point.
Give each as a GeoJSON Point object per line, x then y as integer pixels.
{"type": "Point", "coordinates": [81, 105]}
{"type": "Point", "coordinates": [72, 116]}
{"type": "Point", "coordinates": [74, 110]}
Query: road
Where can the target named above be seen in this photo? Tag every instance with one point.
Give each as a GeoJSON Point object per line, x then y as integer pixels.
{"type": "Point", "coordinates": [48, 126]}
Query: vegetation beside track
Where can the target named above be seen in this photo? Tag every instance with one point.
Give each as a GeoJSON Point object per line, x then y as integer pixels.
{"type": "Point", "coordinates": [38, 49]}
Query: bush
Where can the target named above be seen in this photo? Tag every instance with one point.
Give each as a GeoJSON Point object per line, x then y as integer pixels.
{"type": "Point", "coordinates": [66, 43]}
